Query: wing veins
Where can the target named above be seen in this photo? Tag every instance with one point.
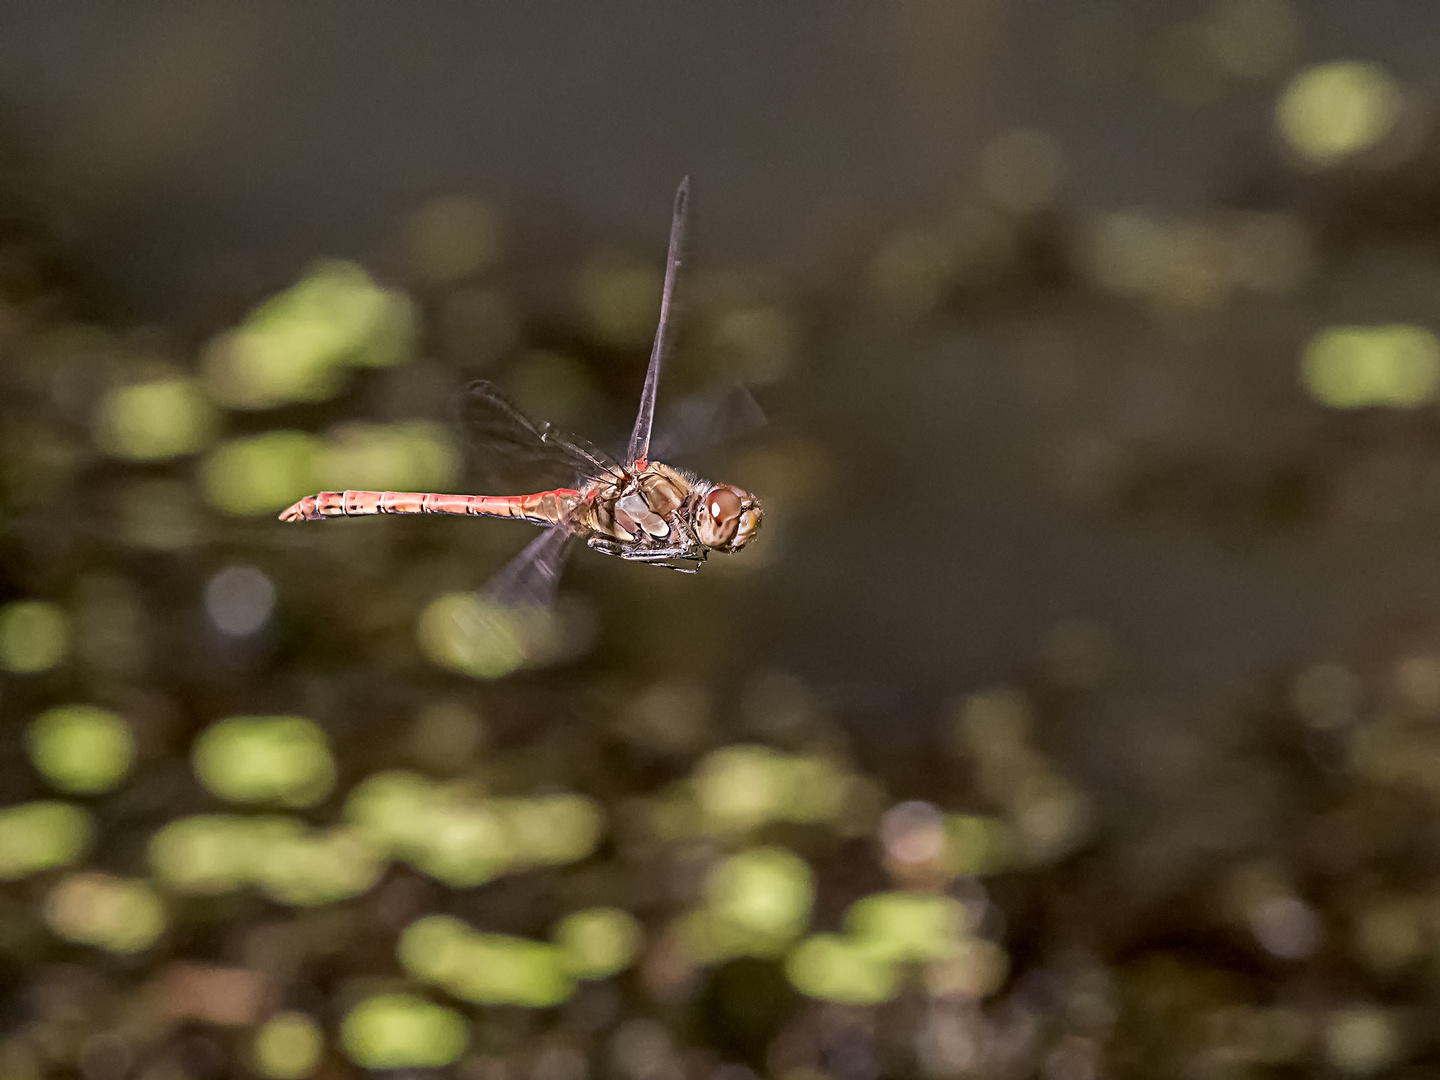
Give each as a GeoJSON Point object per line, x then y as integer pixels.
{"type": "Point", "coordinates": [495, 425]}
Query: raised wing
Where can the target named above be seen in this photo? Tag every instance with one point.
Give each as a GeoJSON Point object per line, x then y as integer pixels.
{"type": "Point", "coordinates": [639, 452]}
{"type": "Point", "coordinates": [510, 452]}
{"type": "Point", "coordinates": [702, 421]}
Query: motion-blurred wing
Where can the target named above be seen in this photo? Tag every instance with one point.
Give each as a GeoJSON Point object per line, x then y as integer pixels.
{"type": "Point", "coordinates": [703, 421]}
{"type": "Point", "coordinates": [512, 454]}
{"type": "Point", "coordinates": [640, 438]}
{"type": "Point", "coordinates": [532, 578]}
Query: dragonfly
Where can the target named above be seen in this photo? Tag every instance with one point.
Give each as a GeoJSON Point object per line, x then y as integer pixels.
{"type": "Point", "coordinates": [637, 508]}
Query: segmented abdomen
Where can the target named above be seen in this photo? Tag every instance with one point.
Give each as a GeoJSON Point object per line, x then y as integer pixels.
{"type": "Point", "coordinates": [542, 508]}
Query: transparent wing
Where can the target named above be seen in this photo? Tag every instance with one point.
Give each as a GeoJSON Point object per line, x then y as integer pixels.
{"type": "Point", "coordinates": [532, 578]}
{"type": "Point", "coordinates": [702, 421]}
{"type": "Point", "coordinates": [640, 438]}
{"type": "Point", "coordinates": [510, 453]}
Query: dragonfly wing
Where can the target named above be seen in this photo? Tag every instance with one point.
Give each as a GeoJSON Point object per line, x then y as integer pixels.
{"type": "Point", "coordinates": [510, 451]}
{"type": "Point", "coordinates": [703, 421]}
{"type": "Point", "coordinates": [640, 437]}
{"type": "Point", "coordinates": [532, 578]}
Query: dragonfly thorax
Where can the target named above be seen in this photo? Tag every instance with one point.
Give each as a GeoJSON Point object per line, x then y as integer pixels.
{"type": "Point", "coordinates": [644, 506]}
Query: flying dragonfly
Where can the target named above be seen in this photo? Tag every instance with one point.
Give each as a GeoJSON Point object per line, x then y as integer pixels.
{"type": "Point", "coordinates": [637, 508]}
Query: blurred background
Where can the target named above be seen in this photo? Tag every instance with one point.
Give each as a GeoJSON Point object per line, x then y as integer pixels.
{"type": "Point", "coordinates": [1075, 715]}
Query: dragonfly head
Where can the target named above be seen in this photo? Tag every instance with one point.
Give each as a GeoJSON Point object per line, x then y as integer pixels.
{"type": "Point", "coordinates": [729, 517]}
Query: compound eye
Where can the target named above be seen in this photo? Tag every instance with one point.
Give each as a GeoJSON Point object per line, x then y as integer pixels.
{"type": "Point", "coordinates": [719, 516]}
{"type": "Point", "coordinates": [723, 504]}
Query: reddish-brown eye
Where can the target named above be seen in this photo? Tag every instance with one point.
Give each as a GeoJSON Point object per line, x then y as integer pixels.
{"type": "Point", "coordinates": [724, 505]}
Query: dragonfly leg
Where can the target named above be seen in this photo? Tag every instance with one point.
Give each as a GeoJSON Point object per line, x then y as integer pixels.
{"type": "Point", "coordinates": [606, 547]}
{"type": "Point", "coordinates": [653, 556]}
{"type": "Point", "coordinates": [662, 558]}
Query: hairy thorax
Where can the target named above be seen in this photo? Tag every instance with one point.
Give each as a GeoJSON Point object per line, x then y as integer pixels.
{"type": "Point", "coordinates": [631, 507]}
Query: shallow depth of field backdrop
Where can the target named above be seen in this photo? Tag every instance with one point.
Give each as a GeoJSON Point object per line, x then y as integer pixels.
{"type": "Point", "coordinates": [1075, 715]}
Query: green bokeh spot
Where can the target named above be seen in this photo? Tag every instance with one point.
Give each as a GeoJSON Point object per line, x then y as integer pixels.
{"type": "Point", "coordinates": [34, 636]}
{"type": "Point", "coordinates": [402, 1031]}
{"type": "Point", "coordinates": [835, 968]}
{"type": "Point", "coordinates": [288, 1047]}
{"type": "Point", "coordinates": [155, 421]}
{"type": "Point", "coordinates": [598, 942]}
{"type": "Point", "coordinates": [81, 748]}
{"type": "Point", "coordinates": [260, 474]}
{"type": "Point", "coordinates": [41, 835]}
{"type": "Point", "coordinates": [265, 759]}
